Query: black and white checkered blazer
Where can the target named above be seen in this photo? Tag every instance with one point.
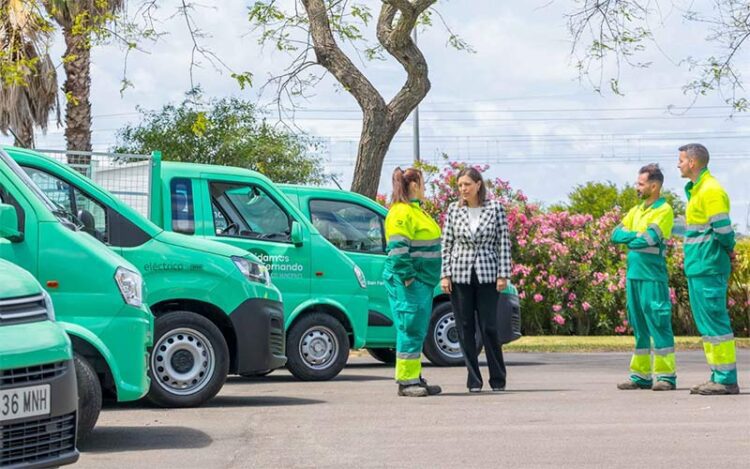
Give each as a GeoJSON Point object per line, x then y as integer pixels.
{"type": "Point", "coordinates": [487, 251]}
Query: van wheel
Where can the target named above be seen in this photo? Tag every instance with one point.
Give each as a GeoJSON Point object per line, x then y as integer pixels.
{"type": "Point", "coordinates": [189, 361]}
{"type": "Point", "coordinates": [89, 397]}
{"type": "Point", "coordinates": [384, 355]}
{"type": "Point", "coordinates": [317, 347]}
{"type": "Point", "coordinates": [441, 346]}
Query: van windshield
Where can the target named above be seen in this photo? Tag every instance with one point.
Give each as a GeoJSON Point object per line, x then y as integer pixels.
{"type": "Point", "coordinates": [65, 216]}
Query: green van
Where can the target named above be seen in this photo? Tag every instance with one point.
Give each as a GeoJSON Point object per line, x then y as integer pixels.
{"type": "Point", "coordinates": [38, 393]}
{"type": "Point", "coordinates": [325, 300]}
{"type": "Point", "coordinates": [97, 294]}
{"type": "Point", "coordinates": [216, 310]}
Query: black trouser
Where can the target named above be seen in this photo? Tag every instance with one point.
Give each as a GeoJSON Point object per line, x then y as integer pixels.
{"type": "Point", "coordinates": [477, 303]}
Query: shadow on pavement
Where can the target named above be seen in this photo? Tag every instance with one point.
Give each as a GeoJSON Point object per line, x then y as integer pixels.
{"type": "Point", "coordinates": [122, 439]}
{"type": "Point", "coordinates": [259, 401]}
{"type": "Point", "coordinates": [499, 395]}
{"type": "Point", "coordinates": [291, 379]}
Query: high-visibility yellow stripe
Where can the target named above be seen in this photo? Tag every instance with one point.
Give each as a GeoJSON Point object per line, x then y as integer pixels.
{"type": "Point", "coordinates": [723, 353]}
{"type": "Point", "coordinates": [664, 364]}
{"type": "Point", "coordinates": [641, 365]}
{"type": "Point", "coordinates": [408, 370]}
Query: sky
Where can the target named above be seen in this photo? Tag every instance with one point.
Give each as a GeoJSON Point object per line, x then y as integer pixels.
{"type": "Point", "coordinates": [516, 104]}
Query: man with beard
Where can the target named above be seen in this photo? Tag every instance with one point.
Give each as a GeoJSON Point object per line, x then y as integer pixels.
{"type": "Point", "coordinates": [645, 230]}
{"type": "Point", "coordinates": [709, 250]}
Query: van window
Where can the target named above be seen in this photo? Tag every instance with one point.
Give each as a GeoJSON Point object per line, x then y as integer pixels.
{"type": "Point", "coordinates": [89, 214]}
{"type": "Point", "coordinates": [247, 211]}
{"type": "Point", "coordinates": [349, 226]}
{"type": "Point", "coordinates": [183, 218]}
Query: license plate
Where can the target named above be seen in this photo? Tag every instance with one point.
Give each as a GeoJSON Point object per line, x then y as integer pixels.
{"type": "Point", "coordinates": [24, 402]}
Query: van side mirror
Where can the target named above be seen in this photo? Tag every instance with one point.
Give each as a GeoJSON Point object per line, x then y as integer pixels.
{"type": "Point", "coordinates": [9, 224]}
{"type": "Point", "coordinates": [296, 234]}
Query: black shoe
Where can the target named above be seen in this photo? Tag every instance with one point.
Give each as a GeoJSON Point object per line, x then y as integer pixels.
{"type": "Point", "coordinates": [432, 389]}
{"type": "Point", "coordinates": [479, 389]}
{"type": "Point", "coordinates": [498, 389]}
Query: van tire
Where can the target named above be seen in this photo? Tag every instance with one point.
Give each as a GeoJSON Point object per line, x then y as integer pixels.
{"type": "Point", "coordinates": [383, 355]}
{"type": "Point", "coordinates": [181, 340]}
{"type": "Point", "coordinates": [317, 333]}
{"type": "Point", "coordinates": [441, 343]}
{"type": "Point", "coordinates": [89, 397]}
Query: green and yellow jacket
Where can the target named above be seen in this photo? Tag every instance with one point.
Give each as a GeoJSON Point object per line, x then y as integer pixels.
{"type": "Point", "coordinates": [645, 231]}
{"type": "Point", "coordinates": [709, 237]}
{"type": "Point", "coordinates": [413, 244]}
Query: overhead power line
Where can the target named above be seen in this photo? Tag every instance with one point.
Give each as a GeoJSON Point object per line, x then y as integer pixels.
{"type": "Point", "coordinates": [522, 110]}
{"type": "Point", "coordinates": [535, 119]}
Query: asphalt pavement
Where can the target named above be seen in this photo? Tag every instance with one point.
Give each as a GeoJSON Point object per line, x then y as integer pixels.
{"type": "Point", "coordinates": [559, 410]}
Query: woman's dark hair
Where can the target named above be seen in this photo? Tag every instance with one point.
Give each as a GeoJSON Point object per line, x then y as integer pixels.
{"type": "Point", "coordinates": [401, 180]}
{"type": "Point", "coordinates": [475, 176]}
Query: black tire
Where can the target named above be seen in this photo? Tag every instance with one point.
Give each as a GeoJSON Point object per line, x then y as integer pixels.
{"type": "Point", "coordinates": [384, 355]}
{"type": "Point", "coordinates": [189, 362]}
{"type": "Point", "coordinates": [441, 344]}
{"type": "Point", "coordinates": [89, 397]}
{"type": "Point", "coordinates": [317, 347]}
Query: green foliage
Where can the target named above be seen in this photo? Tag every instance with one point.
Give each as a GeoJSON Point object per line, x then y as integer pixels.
{"type": "Point", "coordinates": [598, 198]}
{"type": "Point", "coordinates": [223, 132]}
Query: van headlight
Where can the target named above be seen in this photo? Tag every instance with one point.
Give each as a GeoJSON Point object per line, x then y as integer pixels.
{"type": "Point", "coordinates": [48, 305]}
{"type": "Point", "coordinates": [131, 286]}
{"type": "Point", "coordinates": [360, 277]}
{"type": "Point", "coordinates": [253, 271]}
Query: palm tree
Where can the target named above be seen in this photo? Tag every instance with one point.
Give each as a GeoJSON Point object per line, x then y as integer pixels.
{"type": "Point", "coordinates": [79, 20]}
{"type": "Point", "coordinates": [28, 88]}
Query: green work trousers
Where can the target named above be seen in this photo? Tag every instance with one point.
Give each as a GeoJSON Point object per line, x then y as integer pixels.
{"type": "Point", "coordinates": [708, 300]}
{"type": "Point", "coordinates": [650, 316]}
{"type": "Point", "coordinates": [411, 307]}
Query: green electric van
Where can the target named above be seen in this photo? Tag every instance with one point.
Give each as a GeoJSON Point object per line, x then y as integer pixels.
{"type": "Point", "coordinates": [325, 297]}
{"type": "Point", "coordinates": [216, 310]}
{"type": "Point", "coordinates": [38, 392]}
{"type": "Point", "coordinates": [98, 295]}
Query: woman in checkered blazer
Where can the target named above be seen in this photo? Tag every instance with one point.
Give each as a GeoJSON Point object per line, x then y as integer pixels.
{"type": "Point", "coordinates": [476, 267]}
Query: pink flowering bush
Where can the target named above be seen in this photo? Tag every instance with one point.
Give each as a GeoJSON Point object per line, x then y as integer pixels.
{"type": "Point", "coordinates": [570, 278]}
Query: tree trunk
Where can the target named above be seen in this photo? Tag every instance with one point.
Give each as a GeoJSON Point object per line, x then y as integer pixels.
{"type": "Point", "coordinates": [77, 89]}
{"type": "Point", "coordinates": [377, 134]}
{"type": "Point", "coordinates": [381, 121]}
{"type": "Point", "coordinates": [24, 136]}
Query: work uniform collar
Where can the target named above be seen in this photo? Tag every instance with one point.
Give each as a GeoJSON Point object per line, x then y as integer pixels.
{"type": "Point", "coordinates": [416, 202]}
{"type": "Point", "coordinates": [658, 203]}
{"type": "Point", "coordinates": [692, 185]}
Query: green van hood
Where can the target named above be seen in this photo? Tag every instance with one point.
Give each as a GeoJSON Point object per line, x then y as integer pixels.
{"type": "Point", "coordinates": [16, 282]}
{"type": "Point", "coordinates": [33, 344]}
{"type": "Point", "coordinates": [203, 245]}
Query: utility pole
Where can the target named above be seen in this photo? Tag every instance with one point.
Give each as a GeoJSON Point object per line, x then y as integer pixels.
{"type": "Point", "coordinates": [416, 117]}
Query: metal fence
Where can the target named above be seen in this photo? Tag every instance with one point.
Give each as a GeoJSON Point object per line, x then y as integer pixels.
{"type": "Point", "coordinates": [126, 176]}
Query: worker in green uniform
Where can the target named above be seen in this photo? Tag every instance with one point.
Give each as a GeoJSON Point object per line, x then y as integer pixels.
{"type": "Point", "coordinates": [411, 272]}
{"type": "Point", "coordinates": [645, 230]}
{"type": "Point", "coordinates": [709, 251]}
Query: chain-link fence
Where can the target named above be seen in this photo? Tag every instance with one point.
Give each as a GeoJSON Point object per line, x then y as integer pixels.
{"type": "Point", "coordinates": [126, 176]}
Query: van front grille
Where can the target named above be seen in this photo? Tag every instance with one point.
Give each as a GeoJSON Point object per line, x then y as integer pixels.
{"type": "Point", "coordinates": [22, 310]}
{"type": "Point", "coordinates": [31, 374]}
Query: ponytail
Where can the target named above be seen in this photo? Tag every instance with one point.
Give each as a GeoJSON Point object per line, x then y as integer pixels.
{"type": "Point", "coordinates": [401, 181]}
